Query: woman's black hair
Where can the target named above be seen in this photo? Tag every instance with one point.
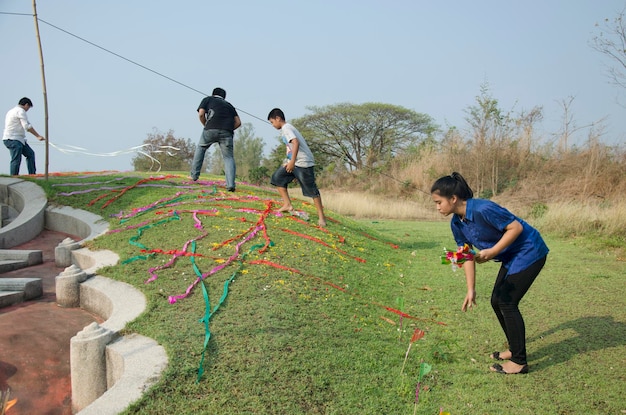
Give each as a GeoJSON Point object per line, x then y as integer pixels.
{"type": "Point", "coordinates": [452, 185]}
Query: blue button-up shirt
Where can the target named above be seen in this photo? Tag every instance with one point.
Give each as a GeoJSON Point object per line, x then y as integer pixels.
{"type": "Point", "coordinates": [484, 225]}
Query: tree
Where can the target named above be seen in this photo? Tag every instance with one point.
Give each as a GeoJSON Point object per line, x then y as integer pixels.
{"type": "Point", "coordinates": [248, 152]}
{"type": "Point", "coordinates": [611, 42]}
{"type": "Point", "coordinates": [363, 135]}
{"type": "Point", "coordinates": [496, 136]}
{"type": "Point", "coordinates": [164, 152]}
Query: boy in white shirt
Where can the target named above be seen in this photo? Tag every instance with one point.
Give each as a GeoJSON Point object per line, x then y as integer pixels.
{"type": "Point", "coordinates": [298, 165]}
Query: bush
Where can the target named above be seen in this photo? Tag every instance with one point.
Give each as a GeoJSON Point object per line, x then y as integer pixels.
{"type": "Point", "coordinates": [259, 175]}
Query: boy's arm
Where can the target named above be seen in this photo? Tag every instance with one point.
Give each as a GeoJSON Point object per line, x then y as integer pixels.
{"type": "Point", "coordinates": [295, 145]}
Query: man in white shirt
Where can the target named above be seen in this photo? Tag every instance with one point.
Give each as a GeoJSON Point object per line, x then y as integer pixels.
{"type": "Point", "coordinates": [15, 126]}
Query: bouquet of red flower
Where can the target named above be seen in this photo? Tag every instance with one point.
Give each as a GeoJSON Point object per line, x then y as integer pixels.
{"type": "Point", "coordinates": [458, 257]}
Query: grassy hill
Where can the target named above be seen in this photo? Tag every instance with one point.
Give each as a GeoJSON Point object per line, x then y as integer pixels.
{"type": "Point", "coordinates": [303, 320]}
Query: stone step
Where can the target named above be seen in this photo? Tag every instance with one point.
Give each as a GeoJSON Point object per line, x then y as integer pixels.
{"type": "Point", "coordinates": [8, 298]}
{"type": "Point", "coordinates": [32, 256]}
{"type": "Point", "coordinates": [31, 287]}
{"type": "Point", "coordinates": [7, 265]}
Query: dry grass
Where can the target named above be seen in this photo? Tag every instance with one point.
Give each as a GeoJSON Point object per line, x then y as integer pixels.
{"type": "Point", "coordinates": [570, 218]}
{"type": "Point", "coordinates": [363, 205]}
{"type": "Point", "coordinates": [598, 219]}
{"type": "Point", "coordinates": [574, 193]}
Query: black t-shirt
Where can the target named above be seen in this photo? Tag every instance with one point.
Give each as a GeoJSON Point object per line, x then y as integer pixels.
{"type": "Point", "coordinates": [220, 114]}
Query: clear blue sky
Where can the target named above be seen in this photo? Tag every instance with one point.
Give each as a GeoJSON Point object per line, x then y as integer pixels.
{"type": "Point", "coordinates": [429, 56]}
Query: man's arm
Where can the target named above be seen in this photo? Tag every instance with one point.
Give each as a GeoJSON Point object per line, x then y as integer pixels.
{"type": "Point", "coordinates": [36, 134]}
{"type": "Point", "coordinates": [202, 116]}
{"type": "Point", "coordinates": [21, 115]}
{"type": "Point", "coordinates": [237, 122]}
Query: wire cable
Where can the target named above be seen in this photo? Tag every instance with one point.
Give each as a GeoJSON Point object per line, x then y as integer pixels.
{"type": "Point", "coordinates": [158, 73]}
{"type": "Point", "coordinates": [138, 64]}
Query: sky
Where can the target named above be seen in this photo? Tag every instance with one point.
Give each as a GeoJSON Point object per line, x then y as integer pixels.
{"type": "Point", "coordinates": [428, 56]}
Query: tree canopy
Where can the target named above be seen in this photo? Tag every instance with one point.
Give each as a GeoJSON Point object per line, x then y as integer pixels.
{"type": "Point", "coordinates": [164, 152]}
{"type": "Point", "coordinates": [363, 135]}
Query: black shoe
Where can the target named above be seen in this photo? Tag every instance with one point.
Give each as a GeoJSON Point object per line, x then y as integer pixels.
{"type": "Point", "coordinates": [231, 189]}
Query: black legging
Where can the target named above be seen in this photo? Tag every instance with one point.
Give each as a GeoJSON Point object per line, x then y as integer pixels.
{"type": "Point", "coordinates": [505, 298]}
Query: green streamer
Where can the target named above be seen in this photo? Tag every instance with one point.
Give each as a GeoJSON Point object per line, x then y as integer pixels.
{"type": "Point", "coordinates": [138, 258]}
{"type": "Point", "coordinates": [207, 303]}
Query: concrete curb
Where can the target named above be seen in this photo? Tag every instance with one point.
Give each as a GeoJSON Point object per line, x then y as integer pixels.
{"type": "Point", "coordinates": [118, 302]}
{"type": "Point", "coordinates": [133, 363]}
{"type": "Point", "coordinates": [75, 222]}
{"type": "Point", "coordinates": [30, 201]}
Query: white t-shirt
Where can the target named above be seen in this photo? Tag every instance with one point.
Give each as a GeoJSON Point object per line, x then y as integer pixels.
{"type": "Point", "coordinates": [16, 124]}
{"type": "Point", "coordinates": [304, 158]}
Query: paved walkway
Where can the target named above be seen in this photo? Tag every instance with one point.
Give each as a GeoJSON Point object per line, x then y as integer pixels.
{"type": "Point", "coordinates": [35, 339]}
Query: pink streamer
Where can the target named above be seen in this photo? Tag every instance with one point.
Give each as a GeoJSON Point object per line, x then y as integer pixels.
{"type": "Point", "coordinates": [174, 298]}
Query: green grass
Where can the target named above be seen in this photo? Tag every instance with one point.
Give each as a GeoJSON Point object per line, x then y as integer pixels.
{"type": "Point", "coordinates": [313, 333]}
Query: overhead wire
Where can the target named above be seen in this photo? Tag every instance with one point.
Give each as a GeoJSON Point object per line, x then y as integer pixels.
{"type": "Point", "coordinates": [138, 64]}
{"type": "Point", "coordinates": [155, 72]}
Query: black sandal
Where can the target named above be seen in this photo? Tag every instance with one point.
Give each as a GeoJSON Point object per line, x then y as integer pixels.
{"type": "Point", "coordinates": [496, 367]}
{"type": "Point", "coordinates": [496, 356]}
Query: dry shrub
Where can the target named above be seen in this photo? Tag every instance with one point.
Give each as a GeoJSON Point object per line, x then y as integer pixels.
{"type": "Point", "coordinates": [581, 191]}
{"type": "Point", "coordinates": [574, 219]}
{"type": "Point", "coordinates": [372, 206]}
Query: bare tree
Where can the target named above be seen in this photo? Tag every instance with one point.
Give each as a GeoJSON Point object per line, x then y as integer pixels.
{"type": "Point", "coordinates": [491, 129]}
{"type": "Point", "coordinates": [569, 127]}
{"type": "Point", "coordinates": [611, 42]}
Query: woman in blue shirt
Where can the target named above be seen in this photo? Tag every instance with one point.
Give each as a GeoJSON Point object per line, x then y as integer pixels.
{"type": "Point", "coordinates": [494, 233]}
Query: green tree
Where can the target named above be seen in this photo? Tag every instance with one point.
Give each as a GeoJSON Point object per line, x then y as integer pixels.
{"type": "Point", "coordinates": [248, 153]}
{"type": "Point", "coordinates": [363, 135]}
{"type": "Point", "coordinates": [164, 152]}
{"type": "Point", "coordinates": [276, 156]}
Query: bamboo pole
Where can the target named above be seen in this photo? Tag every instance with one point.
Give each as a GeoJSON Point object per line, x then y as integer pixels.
{"type": "Point", "coordinates": [45, 91]}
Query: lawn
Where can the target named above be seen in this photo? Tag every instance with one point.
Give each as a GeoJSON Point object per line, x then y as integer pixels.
{"type": "Point", "coordinates": [303, 320]}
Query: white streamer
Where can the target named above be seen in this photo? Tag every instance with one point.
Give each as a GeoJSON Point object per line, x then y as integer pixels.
{"type": "Point", "coordinates": [70, 149]}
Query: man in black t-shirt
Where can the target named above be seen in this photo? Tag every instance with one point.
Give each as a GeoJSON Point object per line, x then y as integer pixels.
{"type": "Point", "coordinates": [220, 120]}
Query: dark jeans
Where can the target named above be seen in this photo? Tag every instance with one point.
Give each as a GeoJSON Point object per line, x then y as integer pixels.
{"type": "Point", "coordinates": [17, 150]}
{"type": "Point", "coordinates": [505, 298]}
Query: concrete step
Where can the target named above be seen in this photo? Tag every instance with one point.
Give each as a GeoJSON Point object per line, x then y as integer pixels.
{"type": "Point", "coordinates": [7, 265]}
{"type": "Point", "coordinates": [8, 298]}
{"type": "Point", "coordinates": [32, 256]}
{"type": "Point", "coordinates": [31, 287]}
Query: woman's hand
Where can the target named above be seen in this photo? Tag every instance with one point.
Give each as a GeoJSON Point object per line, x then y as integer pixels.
{"type": "Point", "coordinates": [484, 255]}
{"type": "Point", "coordinates": [470, 300]}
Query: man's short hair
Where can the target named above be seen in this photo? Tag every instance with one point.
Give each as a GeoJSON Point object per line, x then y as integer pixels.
{"type": "Point", "coordinates": [219, 92]}
{"type": "Point", "coordinates": [25, 101]}
{"type": "Point", "coordinates": [276, 112]}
